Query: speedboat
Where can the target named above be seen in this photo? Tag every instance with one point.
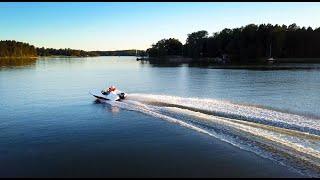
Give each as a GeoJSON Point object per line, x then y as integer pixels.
{"type": "Point", "coordinates": [109, 96]}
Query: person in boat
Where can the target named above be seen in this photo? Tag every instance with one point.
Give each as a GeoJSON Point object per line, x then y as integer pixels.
{"type": "Point", "coordinates": [110, 89]}
{"type": "Point", "coordinates": [114, 90]}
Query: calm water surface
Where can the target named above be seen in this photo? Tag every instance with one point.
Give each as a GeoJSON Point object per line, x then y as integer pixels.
{"type": "Point", "coordinates": [51, 126]}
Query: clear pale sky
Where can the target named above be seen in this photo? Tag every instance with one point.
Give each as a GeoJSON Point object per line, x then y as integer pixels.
{"type": "Point", "coordinates": [111, 26]}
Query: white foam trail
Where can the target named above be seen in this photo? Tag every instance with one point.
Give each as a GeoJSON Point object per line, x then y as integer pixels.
{"type": "Point", "coordinates": [296, 147]}
{"type": "Point", "coordinates": [153, 111]}
{"type": "Point", "coordinates": [227, 109]}
{"type": "Point", "coordinates": [309, 145]}
{"type": "Point", "coordinates": [136, 106]}
{"type": "Point", "coordinates": [301, 147]}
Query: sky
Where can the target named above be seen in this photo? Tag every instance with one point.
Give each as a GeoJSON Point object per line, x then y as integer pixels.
{"type": "Point", "coordinates": [124, 25]}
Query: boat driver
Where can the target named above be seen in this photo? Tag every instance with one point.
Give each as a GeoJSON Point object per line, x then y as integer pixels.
{"type": "Point", "coordinates": [109, 90]}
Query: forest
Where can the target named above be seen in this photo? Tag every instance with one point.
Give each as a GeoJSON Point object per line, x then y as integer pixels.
{"type": "Point", "coordinates": [245, 44]}
{"type": "Point", "coordinates": [249, 43]}
{"type": "Point", "coordinates": [14, 49]}
{"type": "Point", "coordinates": [132, 52]}
{"type": "Point", "coordinates": [63, 52]}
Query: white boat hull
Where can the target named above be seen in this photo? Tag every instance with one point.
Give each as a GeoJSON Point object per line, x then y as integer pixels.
{"type": "Point", "coordinates": [110, 97]}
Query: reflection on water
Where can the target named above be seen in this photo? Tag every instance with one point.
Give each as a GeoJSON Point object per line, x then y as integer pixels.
{"type": "Point", "coordinates": [114, 109]}
{"type": "Point", "coordinates": [11, 62]}
{"type": "Point", "coordinates": [160, 64]}
{"type": "Point", "coordinates": [108, 107]}
{"type": "Point", "coordinates": [260, 66]}
{"type": "Point", "coordinates": [48, 118]}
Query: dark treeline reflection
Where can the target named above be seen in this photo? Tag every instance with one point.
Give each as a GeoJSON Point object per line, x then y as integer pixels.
{"type": "Point", "coordinates": [160, 64]}
{"type": "Point", "coordinates": [245, 44]}
{"type": "Point", "coordinates": [17, 62]}
{"type": "Point", "coordinates": [251, 66]}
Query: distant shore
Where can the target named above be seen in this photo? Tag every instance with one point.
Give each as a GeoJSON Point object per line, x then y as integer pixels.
{"type": "Point", "coordinates": [53, 56]}
{"type": "Point", "coordinates": [212, 63]}
{"type": "Point", "coordinates": [58, 56]}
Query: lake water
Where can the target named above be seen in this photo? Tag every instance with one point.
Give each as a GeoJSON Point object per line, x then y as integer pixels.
{"type": "Point", "coordinates": [177, 121]}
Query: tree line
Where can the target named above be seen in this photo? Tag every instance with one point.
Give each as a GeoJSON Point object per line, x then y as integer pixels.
{"type": "Point", "coordinates": [16, 49]}
{"type": "Point", "coordinates": [131, 52]}
{"type": "Point", "coordinates": [63, 52]}
{"type": "Point", "coordinates": [80, 53]}
{"type": "Point", "coordinates": [12, 48]}
{"type": "Point", "coordinates": [245, 44]}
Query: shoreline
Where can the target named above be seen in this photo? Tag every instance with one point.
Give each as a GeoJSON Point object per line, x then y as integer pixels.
{"type": "Point", "coordinates": [281, 64]}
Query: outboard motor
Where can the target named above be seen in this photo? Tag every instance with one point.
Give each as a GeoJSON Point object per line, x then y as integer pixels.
{"type": "Point", "coordinates": [122, 95]}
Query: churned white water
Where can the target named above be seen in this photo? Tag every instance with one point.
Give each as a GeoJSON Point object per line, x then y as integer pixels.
{"type": "Point", "coordinates": [290, 139]}
{"type": "Point", "coordinates": [228, 109]}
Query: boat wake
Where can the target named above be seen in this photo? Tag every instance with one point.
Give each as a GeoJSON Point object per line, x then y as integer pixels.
{"type": "Point", "coordinates": [290, 139]}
